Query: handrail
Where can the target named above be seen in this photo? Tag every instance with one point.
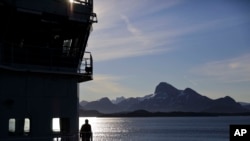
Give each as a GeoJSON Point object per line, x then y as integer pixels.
{"type": "Point", "coordinates": [46, 59]}
{"type": "Point", "coordinates": [87, 64]}
{"type": "Point", "coordinates": [83, 2]}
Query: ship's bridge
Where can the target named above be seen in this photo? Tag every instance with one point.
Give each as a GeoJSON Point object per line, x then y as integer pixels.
{"type": "Point", "coordinates": [47, 36]}
{"type": "Point", "coordinates": [43, 59]}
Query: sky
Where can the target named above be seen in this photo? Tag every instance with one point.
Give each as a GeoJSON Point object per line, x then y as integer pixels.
{"type": "Point", "coordinates": [200, 44]}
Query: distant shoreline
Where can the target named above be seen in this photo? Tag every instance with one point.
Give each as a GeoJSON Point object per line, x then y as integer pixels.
{"type": "Point", "coordinates": [144, 113]}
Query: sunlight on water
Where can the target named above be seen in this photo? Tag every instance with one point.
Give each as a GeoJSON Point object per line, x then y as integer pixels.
{"type": "Point", "coordinates": [162, 129]}
{"type": "Point", "coordinates": [107, 128]}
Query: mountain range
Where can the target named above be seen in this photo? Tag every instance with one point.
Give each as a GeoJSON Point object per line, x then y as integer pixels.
{"type": "Point", "coordinates": [167, 98]}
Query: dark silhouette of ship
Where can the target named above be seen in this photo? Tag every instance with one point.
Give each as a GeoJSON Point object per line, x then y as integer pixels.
{"type": "Point", "coordinates": [43, 58]}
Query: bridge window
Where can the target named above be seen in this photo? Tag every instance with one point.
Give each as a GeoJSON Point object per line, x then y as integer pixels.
{"type": "Point", "coordinates": [66, 46]}
{"type": "Point", "coordinates": [26, 126]}
{"type": "Point", "coordinates": [19, 126]}
{"type": "Point", "coordinates": [12, 125]}
{"type": "Point", "coordinates": [56, 125]}
{"type": "Point", "coordinates": [61, 125]}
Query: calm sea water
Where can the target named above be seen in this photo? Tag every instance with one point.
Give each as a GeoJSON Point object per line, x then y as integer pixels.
{"type": "Point", "coordinates": [163, 128]}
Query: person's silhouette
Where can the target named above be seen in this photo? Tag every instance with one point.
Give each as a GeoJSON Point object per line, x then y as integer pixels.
{"type": "Point", "coordinates": [86, 132]}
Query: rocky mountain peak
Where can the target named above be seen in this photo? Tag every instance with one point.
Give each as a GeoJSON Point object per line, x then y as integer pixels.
{"type": "Point", "coordinates": [226, 99]}
{"type": "Point", "coordinates": [229, 98]}
{"type": "Point", "coordinates": [191, 92]}
{"type": "Point", "coordinates": [105, 100]}
{"type": "Point", "coordinates": [165, 89]}
{"type": "Point", "coordinates": [118, 100]}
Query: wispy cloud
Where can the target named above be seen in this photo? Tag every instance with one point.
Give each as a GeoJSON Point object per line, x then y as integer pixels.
{"type": "Point", "coordinates": [135, 32]}
{"type": "Point", "coordinates": [106, 85]}
{"type": "Point", "coordinates": [137, 28]}
{"type": "Point", "coordinates": [116, 36]}
{"type": "Point", "coordinates": [231, 70]}
{"type": "Point", "coordinates": [193, 82]}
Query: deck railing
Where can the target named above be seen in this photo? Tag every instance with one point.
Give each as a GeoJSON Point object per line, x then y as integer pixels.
{"type": "Point", "coordinates": [46, 59]}
{"type": "Point", "coordinates": [83, 2]}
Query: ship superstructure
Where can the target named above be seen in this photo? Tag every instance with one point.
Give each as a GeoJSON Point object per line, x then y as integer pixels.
{"type": "Point", "coordinates": [43, 58]}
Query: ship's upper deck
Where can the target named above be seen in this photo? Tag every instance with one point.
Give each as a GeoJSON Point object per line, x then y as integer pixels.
{"type": "Point", "coordinates": [79, 10]}
{"type": "Point", "coordinates": [46, 36]}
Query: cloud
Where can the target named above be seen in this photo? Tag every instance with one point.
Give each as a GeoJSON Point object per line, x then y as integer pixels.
{"type": "Point", "coordinates": [193, 82]}
{"type": "Point", "coordinates": [105, 86]}
{"type": "Point", "coordinates": [231, 70]}
{"type": "Point", "coordinates": [135, 32]}
{"type": "Point", "coordinates": [117, 36]}
{"type": "Point", "coordinates": [144, 27]}
{"type": "Point", "coordinates": [138, 28]}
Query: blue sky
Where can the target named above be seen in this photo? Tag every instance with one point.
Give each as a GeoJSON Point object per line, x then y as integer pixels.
{"type": "Point", "coordinates": [201, 44]}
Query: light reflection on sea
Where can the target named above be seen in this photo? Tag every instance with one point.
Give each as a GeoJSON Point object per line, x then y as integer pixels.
{"type": "Point", "coordinates": [162, 129]}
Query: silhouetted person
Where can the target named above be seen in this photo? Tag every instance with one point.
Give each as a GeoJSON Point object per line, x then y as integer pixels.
{"type": "Point", "coordinates": [86, 133]}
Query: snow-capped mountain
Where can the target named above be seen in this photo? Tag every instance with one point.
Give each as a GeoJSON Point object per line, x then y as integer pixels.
{"type": "Point", "coordinates": [167, 98]}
